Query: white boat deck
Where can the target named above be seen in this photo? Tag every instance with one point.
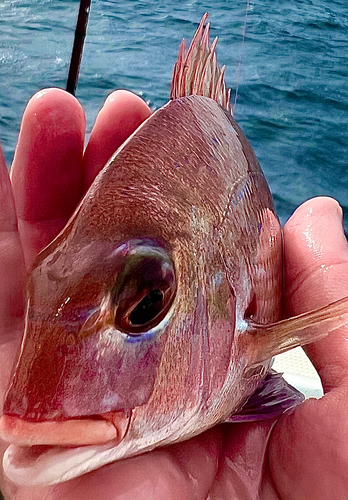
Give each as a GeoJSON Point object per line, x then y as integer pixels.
{"type": "Point", "coordinates": [299, 372]}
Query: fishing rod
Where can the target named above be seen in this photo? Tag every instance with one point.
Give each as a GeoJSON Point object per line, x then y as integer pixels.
{"type": "Point", "coordinates": [76, 56]}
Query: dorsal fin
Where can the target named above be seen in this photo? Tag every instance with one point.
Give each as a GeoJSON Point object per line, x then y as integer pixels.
{"type": "Point", "coordinates": [197, 72]}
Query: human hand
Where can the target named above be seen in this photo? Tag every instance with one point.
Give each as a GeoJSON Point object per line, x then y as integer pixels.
{"type": "Point", "coordinates": [302, 455]}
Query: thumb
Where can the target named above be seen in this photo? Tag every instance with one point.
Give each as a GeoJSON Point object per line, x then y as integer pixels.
{"type": "Point", "coordinates": [316, 273]}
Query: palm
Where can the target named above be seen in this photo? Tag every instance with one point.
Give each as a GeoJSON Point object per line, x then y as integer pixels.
{"type": "Point", "coordinates": [283, 460]}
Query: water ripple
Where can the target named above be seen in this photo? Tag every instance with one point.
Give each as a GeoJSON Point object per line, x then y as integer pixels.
{"type": "Point", "coordinates": [293, 96]}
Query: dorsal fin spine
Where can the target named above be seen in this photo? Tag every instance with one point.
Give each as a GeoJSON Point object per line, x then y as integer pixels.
{"type": "Point", "coordinates": [201, 60]}
{"type": "Point", "coordinates": [197, 72]}
{"type": "Point", "coordinates": [220, 89]}
{"type": "Point", "coordinates": [178, 65]}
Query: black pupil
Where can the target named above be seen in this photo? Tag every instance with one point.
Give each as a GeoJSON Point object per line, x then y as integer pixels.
{"type": "Point", "coordinates": [147, 309]}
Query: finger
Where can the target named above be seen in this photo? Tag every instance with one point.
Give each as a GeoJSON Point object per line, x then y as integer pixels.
{"type": "Point", "coordinates": [12, 270]}
{"type": "Point", "coordinates": [121, 114]}
{"type": "Point", "coordinates": [47, 168]}
{"type": "Point", "coordinates": [242, 466]}
{"type": "Point", "coordinates": [316, 270]}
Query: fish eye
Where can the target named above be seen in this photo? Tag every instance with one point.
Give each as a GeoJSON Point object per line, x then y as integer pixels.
{"type": "Point", "coordinates": [144, 290]}
{"type": "Point", "coordinates": [147, 309]}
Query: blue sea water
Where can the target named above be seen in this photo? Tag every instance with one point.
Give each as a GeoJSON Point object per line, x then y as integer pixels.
{"type": "Point", "coordinates": [291, 72]}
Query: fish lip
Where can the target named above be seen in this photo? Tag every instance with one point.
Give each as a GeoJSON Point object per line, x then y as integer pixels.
{"type": "Point", "coordinates": [27, 463]}
{"type": "Point", "coordinates": [46, 465]}
{"type": "Point", "coordinates": [76, 432]}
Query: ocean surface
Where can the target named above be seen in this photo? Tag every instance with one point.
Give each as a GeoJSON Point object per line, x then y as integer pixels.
{"type": "Point", "coordinates": [291, 71]}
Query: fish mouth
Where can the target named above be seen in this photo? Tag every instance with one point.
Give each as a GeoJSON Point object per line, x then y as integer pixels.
{"type": "Point", "coordinates": [41, 465]}
{"type": "Point", "coordinates": [50, 452]}
{"type": "Point", "coordinates": [97, 430]}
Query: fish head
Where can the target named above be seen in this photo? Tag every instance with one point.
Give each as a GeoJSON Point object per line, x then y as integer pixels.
{"type": "Point", "coordinates": [137, 323]}
{"type": "Point", "coordinates": [111, 315]}
{"type": "Point", "coordinates": [135, 310]}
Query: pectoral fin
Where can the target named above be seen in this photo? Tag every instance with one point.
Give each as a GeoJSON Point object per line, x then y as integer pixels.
{"type": "Point", "coordinates": [272, 399]}
{"type": "Point", "coordinates": [262, 342]}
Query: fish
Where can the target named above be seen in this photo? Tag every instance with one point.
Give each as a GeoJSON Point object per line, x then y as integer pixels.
{"type": "Point", "coordinates": [156, 312]}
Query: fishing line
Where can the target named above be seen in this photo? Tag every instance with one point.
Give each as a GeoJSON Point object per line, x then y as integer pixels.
{"type": "Point", "coordinates": [239, 67]}
{"type": "Point", "coordinates": [79, 40]}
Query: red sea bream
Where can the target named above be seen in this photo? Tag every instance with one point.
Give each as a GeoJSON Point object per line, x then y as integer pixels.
{"type": "Point", "coordinates": [155, 313]}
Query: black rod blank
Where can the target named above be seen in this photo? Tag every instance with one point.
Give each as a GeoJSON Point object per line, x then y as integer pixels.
{"type": "Point", "coordinates": [76, 56]}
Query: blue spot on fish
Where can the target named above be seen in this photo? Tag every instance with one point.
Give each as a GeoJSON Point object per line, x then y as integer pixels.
{"type": "Point", "coordinates": [133, 339]}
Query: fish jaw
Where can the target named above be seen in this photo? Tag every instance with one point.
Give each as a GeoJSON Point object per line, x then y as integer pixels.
{"type": "Point", "coordinates": [72, 432]}
{"type": "Point", "coordinates": [48, 465]}
{"type": "Point", "coordinates": [46, 452]}
{"type": "Point", "coordinates": [45, 464]}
